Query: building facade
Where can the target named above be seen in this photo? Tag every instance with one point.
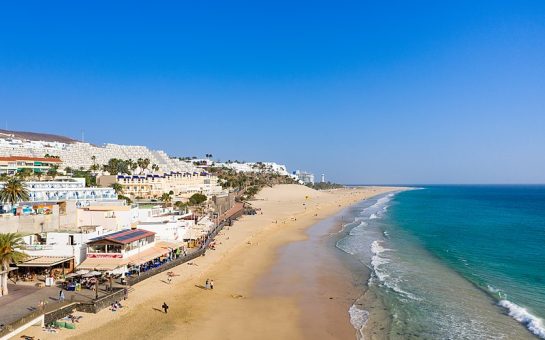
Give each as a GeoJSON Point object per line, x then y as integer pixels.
{"type": "Point", "coordinates": [66, 190]}
{"type": "Point", "coordinates": [38, 165]}
{"type": "Point", "coordinates": [150, 186]}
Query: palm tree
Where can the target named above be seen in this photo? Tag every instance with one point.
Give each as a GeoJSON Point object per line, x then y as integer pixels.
{"type": "Point", "coordinates": [165, 198]}
{"type": "Point", "coordinates": [14, 191]}
{"type": "Point", "coordinates": [52, 172]}
{"type": "Point", "coordinates": [118, 188]}
{"type": "Point", "coordinates": [146, 162]}
{"type": "Point", "coordinates": [9, 253]}
{"type": "Point", "coordinates": [24, 173]}
{"type": "Point", "coordinates": [140, 163]}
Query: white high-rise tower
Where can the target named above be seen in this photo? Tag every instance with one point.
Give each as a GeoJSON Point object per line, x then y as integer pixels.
{"type": "Point", "coordinates": [323, 178]}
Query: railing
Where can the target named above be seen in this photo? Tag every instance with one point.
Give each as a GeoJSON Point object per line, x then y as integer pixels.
{"type": "Point", "coordinates": [178, 261]}
{"type": "Point", "coordinates": [37, 247]}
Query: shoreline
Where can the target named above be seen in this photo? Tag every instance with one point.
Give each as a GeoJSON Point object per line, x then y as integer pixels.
{"type": "Point", "coordinates": [245, 252]}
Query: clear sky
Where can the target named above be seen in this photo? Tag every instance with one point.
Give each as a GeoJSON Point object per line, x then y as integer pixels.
{"type": "Point", "coordinates": [363, 91]}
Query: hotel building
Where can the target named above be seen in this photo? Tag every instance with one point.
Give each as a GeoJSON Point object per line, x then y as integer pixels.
{"type": "Point", "coordinates": [149, 186]}
{"type": "Point", "coordinates": [13, 164]}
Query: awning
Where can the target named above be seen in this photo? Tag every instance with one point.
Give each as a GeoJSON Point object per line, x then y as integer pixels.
{"type": "Point", "coordinates": [45, 261]}
{"type": "Point", "coordinates": [102, 264]}
{"type": "Point", "coordinates": [147, 255]}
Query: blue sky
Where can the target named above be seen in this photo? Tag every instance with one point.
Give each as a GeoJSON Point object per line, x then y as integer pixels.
{"type": "Point", "coordinates": [363, 91]}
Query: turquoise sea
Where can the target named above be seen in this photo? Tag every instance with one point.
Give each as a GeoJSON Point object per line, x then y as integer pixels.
{"type": "Point", "coordinates": [452, 262]}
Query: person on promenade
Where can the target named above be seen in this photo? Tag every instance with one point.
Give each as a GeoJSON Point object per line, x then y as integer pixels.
{"type": "Point", "coordinates": [165, 307]}
{"type": "Point", "coordinates": [61, 296]}
{"type": "Point", "coordinates": [211, 284]}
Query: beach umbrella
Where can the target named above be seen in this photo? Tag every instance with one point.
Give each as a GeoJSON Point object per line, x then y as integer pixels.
{"type": "Point", "coordinates": [82, 271]}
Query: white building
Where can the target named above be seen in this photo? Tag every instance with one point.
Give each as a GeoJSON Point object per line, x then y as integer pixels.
{"type": "Point", "coordinates": [77, 154]}
{"type": "Point", "coordinates": [267, 167]}
{"type": "Point", "coordinates": [67, 190]}
{"type": "Point", "coordinates": [61, 244]}
{"type": "Point", "coordinates": [127, 251]}
{"type": "Point", "coordinates": [109, 216]}
{"type": "Point", "coordinates": [167, 226]}
{"type": "Point", "coordinates": [304, 177]}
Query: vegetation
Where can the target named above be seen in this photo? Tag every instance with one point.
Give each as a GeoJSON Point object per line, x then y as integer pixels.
{"type": "Point", "coordinates": [53, 171]}
{"type": "Point", "coordinates": [121, 166]}
{"type": "Point", "coordinates": [325, 186]}
{"type": "Point", "coordinates": [248, 184]}
{"type": "Point", "coordinates": [197, 199]}
{"type": "Point", "coordinates": [116, 166]}
{"type": "Point", "coordinates": [90, 179]}
{"type": "Point", "coordinates": [181, 206]}
{"type": "Point", "coordinates": [10, 244]}
{"type": "Point", "coordinates": [166, 198]}
{"type": "Point", "coordinates": [14, 191]}
{"type": "Point", "coordinates": [118, 188]}
{"type": "Point", "coordinates": [127, 199]}
{"type": "Point", "coordinates": [24, 173]}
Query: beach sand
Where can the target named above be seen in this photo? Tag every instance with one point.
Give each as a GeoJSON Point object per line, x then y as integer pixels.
{"type": "Point", "coordinates": [251, 298]}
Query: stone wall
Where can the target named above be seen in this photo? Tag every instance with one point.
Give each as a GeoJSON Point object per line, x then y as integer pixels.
{"type": "Point", "coordinates": [60, 313]}
{"type": "Point", "coordinates": [224, 202]}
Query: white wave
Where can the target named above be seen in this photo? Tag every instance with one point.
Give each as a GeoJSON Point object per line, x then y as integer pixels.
{"type": "Point", "coordinates": [358, 319]}
{"type": "Point", "coordinates": [492, 289]}
{"type": "Point", "coordinates": [373, 216]}
{"type": "Point", "coordinates": [382, 274]}
{"type": "Point", "coordinates": [532, 322]}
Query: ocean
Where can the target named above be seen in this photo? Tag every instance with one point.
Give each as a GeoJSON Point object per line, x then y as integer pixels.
{"type": "Point", "coordinates": [450, 262]}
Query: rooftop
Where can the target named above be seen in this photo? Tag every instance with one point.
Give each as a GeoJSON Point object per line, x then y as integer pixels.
{"type": "Point", "coordinates": [124, 236]}
{"type": "Point", "coordinates": [34, 159]}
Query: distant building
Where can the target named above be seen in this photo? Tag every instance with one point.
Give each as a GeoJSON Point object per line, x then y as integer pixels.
{"type": "Point", "coordinates": [304, 177]}
{"type": "Point", "coordinates": [323, 178]}
{"type": "Point", "coordinates": [38, 165]}
{"type": "Point", "coordinates": [150, 186]}
{"type": "Point", "coordinates": [263, 167]}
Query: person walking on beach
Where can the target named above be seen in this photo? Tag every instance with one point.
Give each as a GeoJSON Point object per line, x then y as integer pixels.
{"type": "Point", "coordinates": [169, 279]}
{"type": "Point", "coordinates": [207, 284]}
{"type": "Point", "coordinates": [211, 284]}
{"type": "Point", "coordinates": [165, 307]}
{"type": "Point", "coordinates": [61, 296]}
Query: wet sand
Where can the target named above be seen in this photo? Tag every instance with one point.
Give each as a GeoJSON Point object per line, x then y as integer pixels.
{"type": "Point", "coordinates": [309, 273]}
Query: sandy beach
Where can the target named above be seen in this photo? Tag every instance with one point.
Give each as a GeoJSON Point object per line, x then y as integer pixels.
{"type": "Point", "coordinates": [252, 297]}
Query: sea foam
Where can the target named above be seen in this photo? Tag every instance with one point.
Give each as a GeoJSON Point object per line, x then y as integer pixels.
{"type": "Point", "coordinates": [358, 319]}
{"type": "Point", "coordinates": [381, 271]}
{"type": "Point", "coordinates": [532, 322]}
